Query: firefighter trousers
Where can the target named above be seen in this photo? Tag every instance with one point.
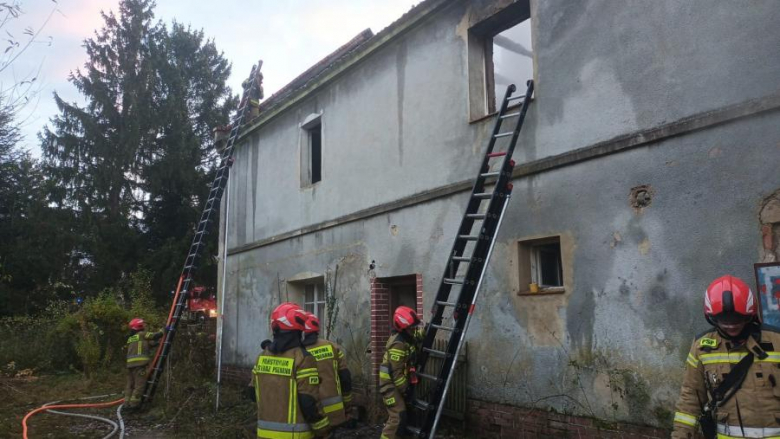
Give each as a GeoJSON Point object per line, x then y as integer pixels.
{"type": "Point", "coordinates": [136, 378]}
{"type": "Point", "coordinates": [395, 427]}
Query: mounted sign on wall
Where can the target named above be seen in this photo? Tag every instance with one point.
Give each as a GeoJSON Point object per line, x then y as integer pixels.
{"type": "Point", "coordinates": [768, 289]}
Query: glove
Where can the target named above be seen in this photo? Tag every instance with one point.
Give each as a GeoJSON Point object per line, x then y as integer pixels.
{"type": "Point", "coordinates": [265, 344]}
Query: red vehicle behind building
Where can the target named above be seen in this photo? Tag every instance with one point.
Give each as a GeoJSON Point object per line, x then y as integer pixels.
{"type": "Point", "coordinates": [201, 304]}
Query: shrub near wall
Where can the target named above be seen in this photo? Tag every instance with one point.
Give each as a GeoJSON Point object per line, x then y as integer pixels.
{"type": "Point", "coordinates": [86, 337]}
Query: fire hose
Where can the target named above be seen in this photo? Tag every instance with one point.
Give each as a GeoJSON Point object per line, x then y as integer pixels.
{"type": "Point", "coordinates": [55, 405]}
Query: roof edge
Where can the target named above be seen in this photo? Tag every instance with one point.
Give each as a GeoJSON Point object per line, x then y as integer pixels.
{"type": "Point", "coordinates": [404, 24]}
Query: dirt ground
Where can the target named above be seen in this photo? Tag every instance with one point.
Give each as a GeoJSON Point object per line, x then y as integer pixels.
{"type": "Point", "coordinates": [187, 413]}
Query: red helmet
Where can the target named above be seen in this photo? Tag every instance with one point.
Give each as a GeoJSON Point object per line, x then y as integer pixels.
{"type": "Point", "coordinates": [288, 317]}
{"type": "Point", "coordinates": [729, 300]}
{"type": "Point", "coordinates": [404, 317]}
{"type": "Point", "coordinates": [137, 324]}
{"type": "Point", "coordinates": [312, 324]}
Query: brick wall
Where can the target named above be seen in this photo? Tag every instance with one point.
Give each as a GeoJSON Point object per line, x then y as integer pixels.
{"type": "Point", "coordinates": [380, 322]}
{"type": "Point", "coordinates": [420, 296]}
{"type": "Point", "coordinates": [490, 420]}
{"type": "Point", "coordinates": [380, 317]}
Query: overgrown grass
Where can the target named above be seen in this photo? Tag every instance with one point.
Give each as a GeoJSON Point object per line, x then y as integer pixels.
{"type": "Point", "coordinates": [87, 337]}
{"type": "Point", "coordinates": [72, 351]}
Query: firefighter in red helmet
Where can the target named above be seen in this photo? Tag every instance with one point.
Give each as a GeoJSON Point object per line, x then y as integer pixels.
{"type": "Point", "coordinates": [731, 386]}
{"type": "Point", "coordinates": [335, 378]}
{"type": "Point", "coordinates": [138, 356]}
{"type": "Point", "coordinates": [395, 372]}
{"type": "Point", "coordinates": [286, 382]}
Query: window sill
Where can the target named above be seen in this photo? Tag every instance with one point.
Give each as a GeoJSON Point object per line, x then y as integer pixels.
{"type": "Point", "coordinates": [543, 291]}
{"type": "Point", "coordinates": [310, 185]}
{"type": "Point", "coordinates": [491, 115]}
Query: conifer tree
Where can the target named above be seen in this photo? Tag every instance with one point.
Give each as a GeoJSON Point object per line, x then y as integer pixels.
{"type": "Point", "coordinates": [132, 163]}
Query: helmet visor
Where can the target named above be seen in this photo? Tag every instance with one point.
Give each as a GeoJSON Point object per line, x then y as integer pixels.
{"type": "Point", "coordinates": [731, 319]}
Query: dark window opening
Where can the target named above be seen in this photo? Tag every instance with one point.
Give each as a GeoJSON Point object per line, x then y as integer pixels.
{"type": "Point", "coordinates": [315, 143]}
{"type": "Point", "coordinates": [549, 267]}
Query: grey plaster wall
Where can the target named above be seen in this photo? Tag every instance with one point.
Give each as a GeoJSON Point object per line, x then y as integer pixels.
{"type": "Point", "coordinates": [613, 344]}
{"type": "Point", "coordinates": [608, 67]}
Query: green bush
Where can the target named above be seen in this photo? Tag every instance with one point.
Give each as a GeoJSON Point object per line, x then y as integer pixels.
{"type": "Point", "coordinates": [87, 337]}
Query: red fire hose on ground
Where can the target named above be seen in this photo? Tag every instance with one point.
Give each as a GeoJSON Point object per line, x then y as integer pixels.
{"type": "Point", "coordinates": [49, 406]}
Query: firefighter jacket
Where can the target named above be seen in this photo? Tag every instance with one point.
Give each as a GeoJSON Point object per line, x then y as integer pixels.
{"type": "Point", "coordinates": [754, 410]}
{"type": "Point", "coordinates": [286, 390]}
{"type": "Point", "coordinates": [138, 346]}
{"type": "Point", "coordinates": [400, 356]}
{"type": "Point", "coordinates": [335, 380]}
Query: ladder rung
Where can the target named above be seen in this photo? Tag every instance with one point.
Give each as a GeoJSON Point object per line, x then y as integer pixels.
{"type": "Point", "coordinates": [436, 352]}
{"type": "Point", "coordinates": [507, 116]}
{"type": "Point", "coordinates": [514, 98]}
{"type": "Point", "coordinates": [443, 303]}
{"type": "Point", "coordinates": [497, 154]}
{"type": "Point", "coordinates": [476, 216]}
{"type": "Point", "coordinates": [427, 377]}
{"type": "Point", "coordinates": [422, 405]}
{"type": "Point", "coordinates": [461, 259]}
{"type": "Point", "coordinates": [469, 237]}
{"type": "Point", "coordinates": [499, 135]}
{"type": "Point", "coordinates": [446, 328]}
{"type": "Point", "coordinates": [453, 281]}
{"type": "Point", "coordinates": [483, 195]}
{"type": "Point", "coordinates": [490, 174]}
{"type": "Point", "coordinates": [414, 430]}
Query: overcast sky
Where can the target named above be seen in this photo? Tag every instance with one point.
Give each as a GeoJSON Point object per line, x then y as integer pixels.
{"type": "Point", "coordinates": [288, 35]}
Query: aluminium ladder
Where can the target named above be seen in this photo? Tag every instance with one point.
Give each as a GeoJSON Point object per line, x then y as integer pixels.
{"type": "Point", "coordinates": [251, 90]}
{"type": "Point", "coordinates": [467, 262]}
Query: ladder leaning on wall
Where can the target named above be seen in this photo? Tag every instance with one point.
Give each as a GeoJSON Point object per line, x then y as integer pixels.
{"type": "Point", "coordinates": [251, 91]}
{"type": "Point", "coordinates": [467, 262]}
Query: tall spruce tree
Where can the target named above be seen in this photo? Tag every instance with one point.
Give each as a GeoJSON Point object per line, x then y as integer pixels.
{"type": "Point", "coordinates": [133, 162]}
{"type": "Point", "coordinates": [194, 99]}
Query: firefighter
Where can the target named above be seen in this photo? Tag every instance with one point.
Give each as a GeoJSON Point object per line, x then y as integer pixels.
{"type": "Point", "coordinates": [287, 383]}
{"type": "Point", "coordinates": [394, 372]}
{"type": "Point", "coordinates": [721, 394]}
{"type": "Point", "coordinates": [138, 356]}
{"type": "Point", "coordinates": [335, 378]}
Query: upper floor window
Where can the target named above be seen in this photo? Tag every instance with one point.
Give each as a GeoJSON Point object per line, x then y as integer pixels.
{"type": "Point", "coordinates": [500, 52]}
{"type": "Point", "coordinates": [311, 150]}
{"type": "Point", "coordinates": [509, 60]}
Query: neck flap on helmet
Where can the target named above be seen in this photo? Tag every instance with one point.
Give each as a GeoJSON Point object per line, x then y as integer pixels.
{"type": "Point", "coordinates": [284, 340]}
{"type": "Point", "coordinates": [311, 338]}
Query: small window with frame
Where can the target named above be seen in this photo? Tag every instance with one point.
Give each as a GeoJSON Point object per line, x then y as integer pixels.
{"type": "Point", "coordinates": [314, 299]}
{"type": "Point", "coordinates": [540, 266]}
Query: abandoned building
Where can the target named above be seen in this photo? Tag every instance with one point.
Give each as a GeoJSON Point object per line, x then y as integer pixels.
{"type": "Point", "coordinates": [647, 167]}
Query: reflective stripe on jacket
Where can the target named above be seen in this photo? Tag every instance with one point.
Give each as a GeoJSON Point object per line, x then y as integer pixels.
{"type": "Point", "coordinates": [138, 348]}
{"type": "Point", "coordinates": [330, 359]}
{"type": "Point", "coordinates": [279, 379]}
{"type": "Point", "coordinates": [710, 358]}
{"type": "Point", "coordinates": [394, 370]}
